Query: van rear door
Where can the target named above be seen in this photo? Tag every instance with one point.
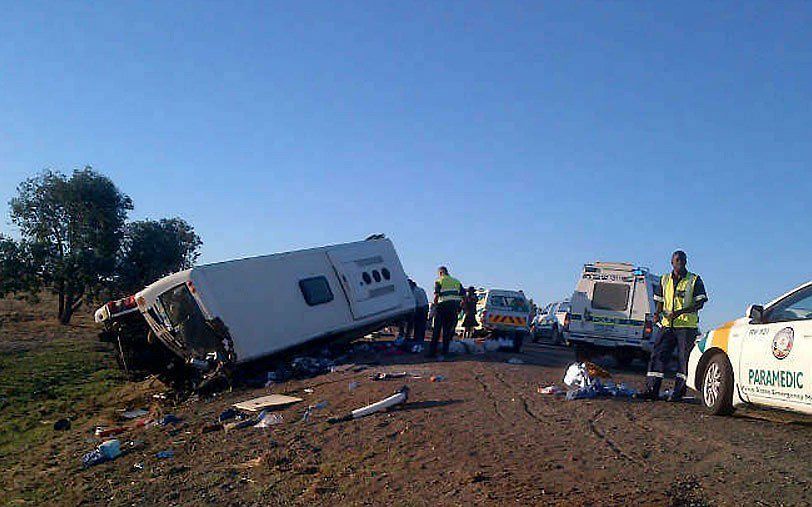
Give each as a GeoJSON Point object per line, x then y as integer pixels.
{"type": "Point", "coordinates": [610, 302]}
{"type": "Point", "coordinates": [368, 277]}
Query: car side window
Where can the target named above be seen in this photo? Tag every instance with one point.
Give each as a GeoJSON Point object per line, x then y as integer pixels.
{"type": "Point", "coordinates": [796, 306]}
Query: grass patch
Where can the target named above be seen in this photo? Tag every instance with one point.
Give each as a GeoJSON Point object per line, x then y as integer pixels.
{"type": "Point", "coordinates": [58, 379]}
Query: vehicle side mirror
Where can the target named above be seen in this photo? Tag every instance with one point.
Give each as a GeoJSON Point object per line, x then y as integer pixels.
{"type": "Point", "coordinates": [755, 313]}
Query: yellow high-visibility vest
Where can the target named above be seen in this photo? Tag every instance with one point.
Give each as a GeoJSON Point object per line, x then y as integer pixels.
{"type": "Point", "coordinates": [679, 297]}
{"type": "Point", "coordinates": [449, 289]}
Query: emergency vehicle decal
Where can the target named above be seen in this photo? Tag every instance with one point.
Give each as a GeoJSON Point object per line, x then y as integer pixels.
{"type": "Point", "coordinates": [719, 336]}
{"type": "Point", "coordinates": [507, 319]}
{"type": "Point", "coordinates": [613, 321]}
{"type": "Point", "coordinates": [782, 343]}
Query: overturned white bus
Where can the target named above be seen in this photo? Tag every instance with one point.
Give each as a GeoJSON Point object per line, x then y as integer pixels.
{"type": "Point", "coordinates": [232, 312]}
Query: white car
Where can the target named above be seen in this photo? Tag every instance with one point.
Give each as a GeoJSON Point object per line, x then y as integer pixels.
{"type": "Point", "coordinates": [764, 358]}
{"type": "Point", "coordinates": [550, 322]}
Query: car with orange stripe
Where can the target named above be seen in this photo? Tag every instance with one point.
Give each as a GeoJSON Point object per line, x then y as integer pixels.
{"type": "Point", "coordinates": [502, 314]}
{"type": "Point", "coordinates": [762, 359]}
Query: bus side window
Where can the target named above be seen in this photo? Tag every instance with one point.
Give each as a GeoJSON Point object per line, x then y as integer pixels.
{"type": "Point", "coordinates": [316, 290]}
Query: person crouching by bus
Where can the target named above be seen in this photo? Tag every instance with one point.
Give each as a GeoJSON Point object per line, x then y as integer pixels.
{"type": "Point", "coordinates": [448, 294]}
{"type": "Point", "coordinates": [679, 298]}
{"type": "Point", "coordinates": [469, 307]}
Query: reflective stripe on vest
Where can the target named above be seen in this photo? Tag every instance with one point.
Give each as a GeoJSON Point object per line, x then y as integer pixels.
{"type": "Point", "coordinates": [677, 298]}
{"type": "Point", "coordinates": [449, 289]}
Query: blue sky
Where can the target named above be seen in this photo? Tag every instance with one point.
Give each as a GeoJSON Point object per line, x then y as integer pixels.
{"type": "Point", "coordinates": [511, 141]}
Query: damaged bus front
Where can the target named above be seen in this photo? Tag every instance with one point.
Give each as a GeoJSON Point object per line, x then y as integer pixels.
{"type": "Point", "coordinates": [180, 321]}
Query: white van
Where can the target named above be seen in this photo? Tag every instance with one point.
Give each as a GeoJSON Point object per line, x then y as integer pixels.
{"type": "Point", "coordinates": [612, 311]}
{"type": "Point", "coordinates": [502, 314]}
{"type": "Point", "coordinates": [237, 311]}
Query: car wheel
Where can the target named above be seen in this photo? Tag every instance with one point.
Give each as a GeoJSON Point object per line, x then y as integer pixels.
{"type": "Point", "coordinates": [717, 386]}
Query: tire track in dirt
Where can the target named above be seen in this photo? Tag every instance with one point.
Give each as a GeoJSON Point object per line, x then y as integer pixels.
{"type": "Point", "coordinates": [487, 391]}
{"type": "Point", "coordinates": [606, 440]}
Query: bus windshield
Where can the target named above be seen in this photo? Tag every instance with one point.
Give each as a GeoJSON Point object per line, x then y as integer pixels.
{"type": "Point", "coordinates": [186, 321]}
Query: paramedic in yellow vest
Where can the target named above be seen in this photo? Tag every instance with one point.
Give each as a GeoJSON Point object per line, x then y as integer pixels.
{"type": "Point", "coordinates": [448, 293]}
{"type": "Point", "coordinates": [679, 298]}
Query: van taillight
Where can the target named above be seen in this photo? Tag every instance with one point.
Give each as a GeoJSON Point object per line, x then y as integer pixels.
{"type": "Point", "coordinates": [567, 321]}
{"type": "Point", "coordinates": [648, 329]}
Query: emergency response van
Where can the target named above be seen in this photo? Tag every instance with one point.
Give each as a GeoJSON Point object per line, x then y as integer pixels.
{"type": "Point", "coordinates": [612, 311]}
{"type": "Point", "coordinates": [240, 310]}
{"type": "Point", "coordinates": [763, 358]}
{"type": "Point", "coordinates": [502, 314]}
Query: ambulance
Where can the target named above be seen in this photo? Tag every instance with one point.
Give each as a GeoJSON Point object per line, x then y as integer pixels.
{"type": "Point", "coordinates": [762, 359]}
{"type": "Point", "coordinates": [612, 312]}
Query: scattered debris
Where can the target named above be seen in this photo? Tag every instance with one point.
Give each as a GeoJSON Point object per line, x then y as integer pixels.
{"type": "Point", "coordinates": [318, 406]}
{"type": "Point", "coordinates": [165, 454]}
{"type": "Point", "coordinates": [455, 347]}
{"type": "Point", "coordinates": [239, 424]}
{"type": "Point", "coordinates": [555, 390]}
{"type": "Point", "coordinates": [310, 366]}
{"type": "Point", "coordinates": [208, 428]}
{"type": "Point", "coordinates": [267, 419]}
{"type": "Point", "coordinates": [585, 379]}
{"type": "Point", "coordinates": [107, 432]}
{"type": "Point", "coordinates": [388, 376]}
{"type": "Point", "coordinates": [597, 389]}
{"type": "Point", "coordinates": [437, 378]}
{"type": "Point", "coordinates": [499, 343]}
{"type": "Point", "coordinates": [472, 347]}
{"type": "Point", "coordinates": [396, 399]}
{"type": "Point", "coordinates": [169, 419]}
{"type": "Point", "coordinates": [515, 360]}
{"type": "Point", "coordinates": [134, 414]}
{"type": "Point", "coordinates": [308, 390]}
{"type": "Point", "coordinates": [106, 451]}
{"type": "Point", "coordinates": [353, 385]}
{"type": "Point", "coordinates": [227, 414]}
{"type": "Point", "coordinates": [62, 425]}
{"type": "Point", "coordinates": [138, 466]}
{"type": "Point", "coordinates": [263, 402]}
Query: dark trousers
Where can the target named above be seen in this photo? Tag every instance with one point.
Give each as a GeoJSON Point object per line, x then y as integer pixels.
{"type": "Point", "coordinates": [421, 316]}
{"type": "Point", "coordinates": [445, 320]}
{"type": "Point", "coordinates": [683, 339]}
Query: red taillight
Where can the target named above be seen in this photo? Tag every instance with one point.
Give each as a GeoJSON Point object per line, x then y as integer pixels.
{"type": "Point", "coordinates": [128, 302]}
{"type": "Point", "coordinates": [566, 321]}
{"type": "Point", "coordinates": [648, 329]}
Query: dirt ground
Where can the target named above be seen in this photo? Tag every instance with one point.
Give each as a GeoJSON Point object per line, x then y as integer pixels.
{"type": "Point", "coordinates": [482, 435]}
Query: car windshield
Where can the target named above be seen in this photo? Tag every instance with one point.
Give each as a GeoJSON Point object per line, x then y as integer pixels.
{"type": "Point", "coordinates": [513, 303]}
{"type": "Point", "coordinates": [186, 321]}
